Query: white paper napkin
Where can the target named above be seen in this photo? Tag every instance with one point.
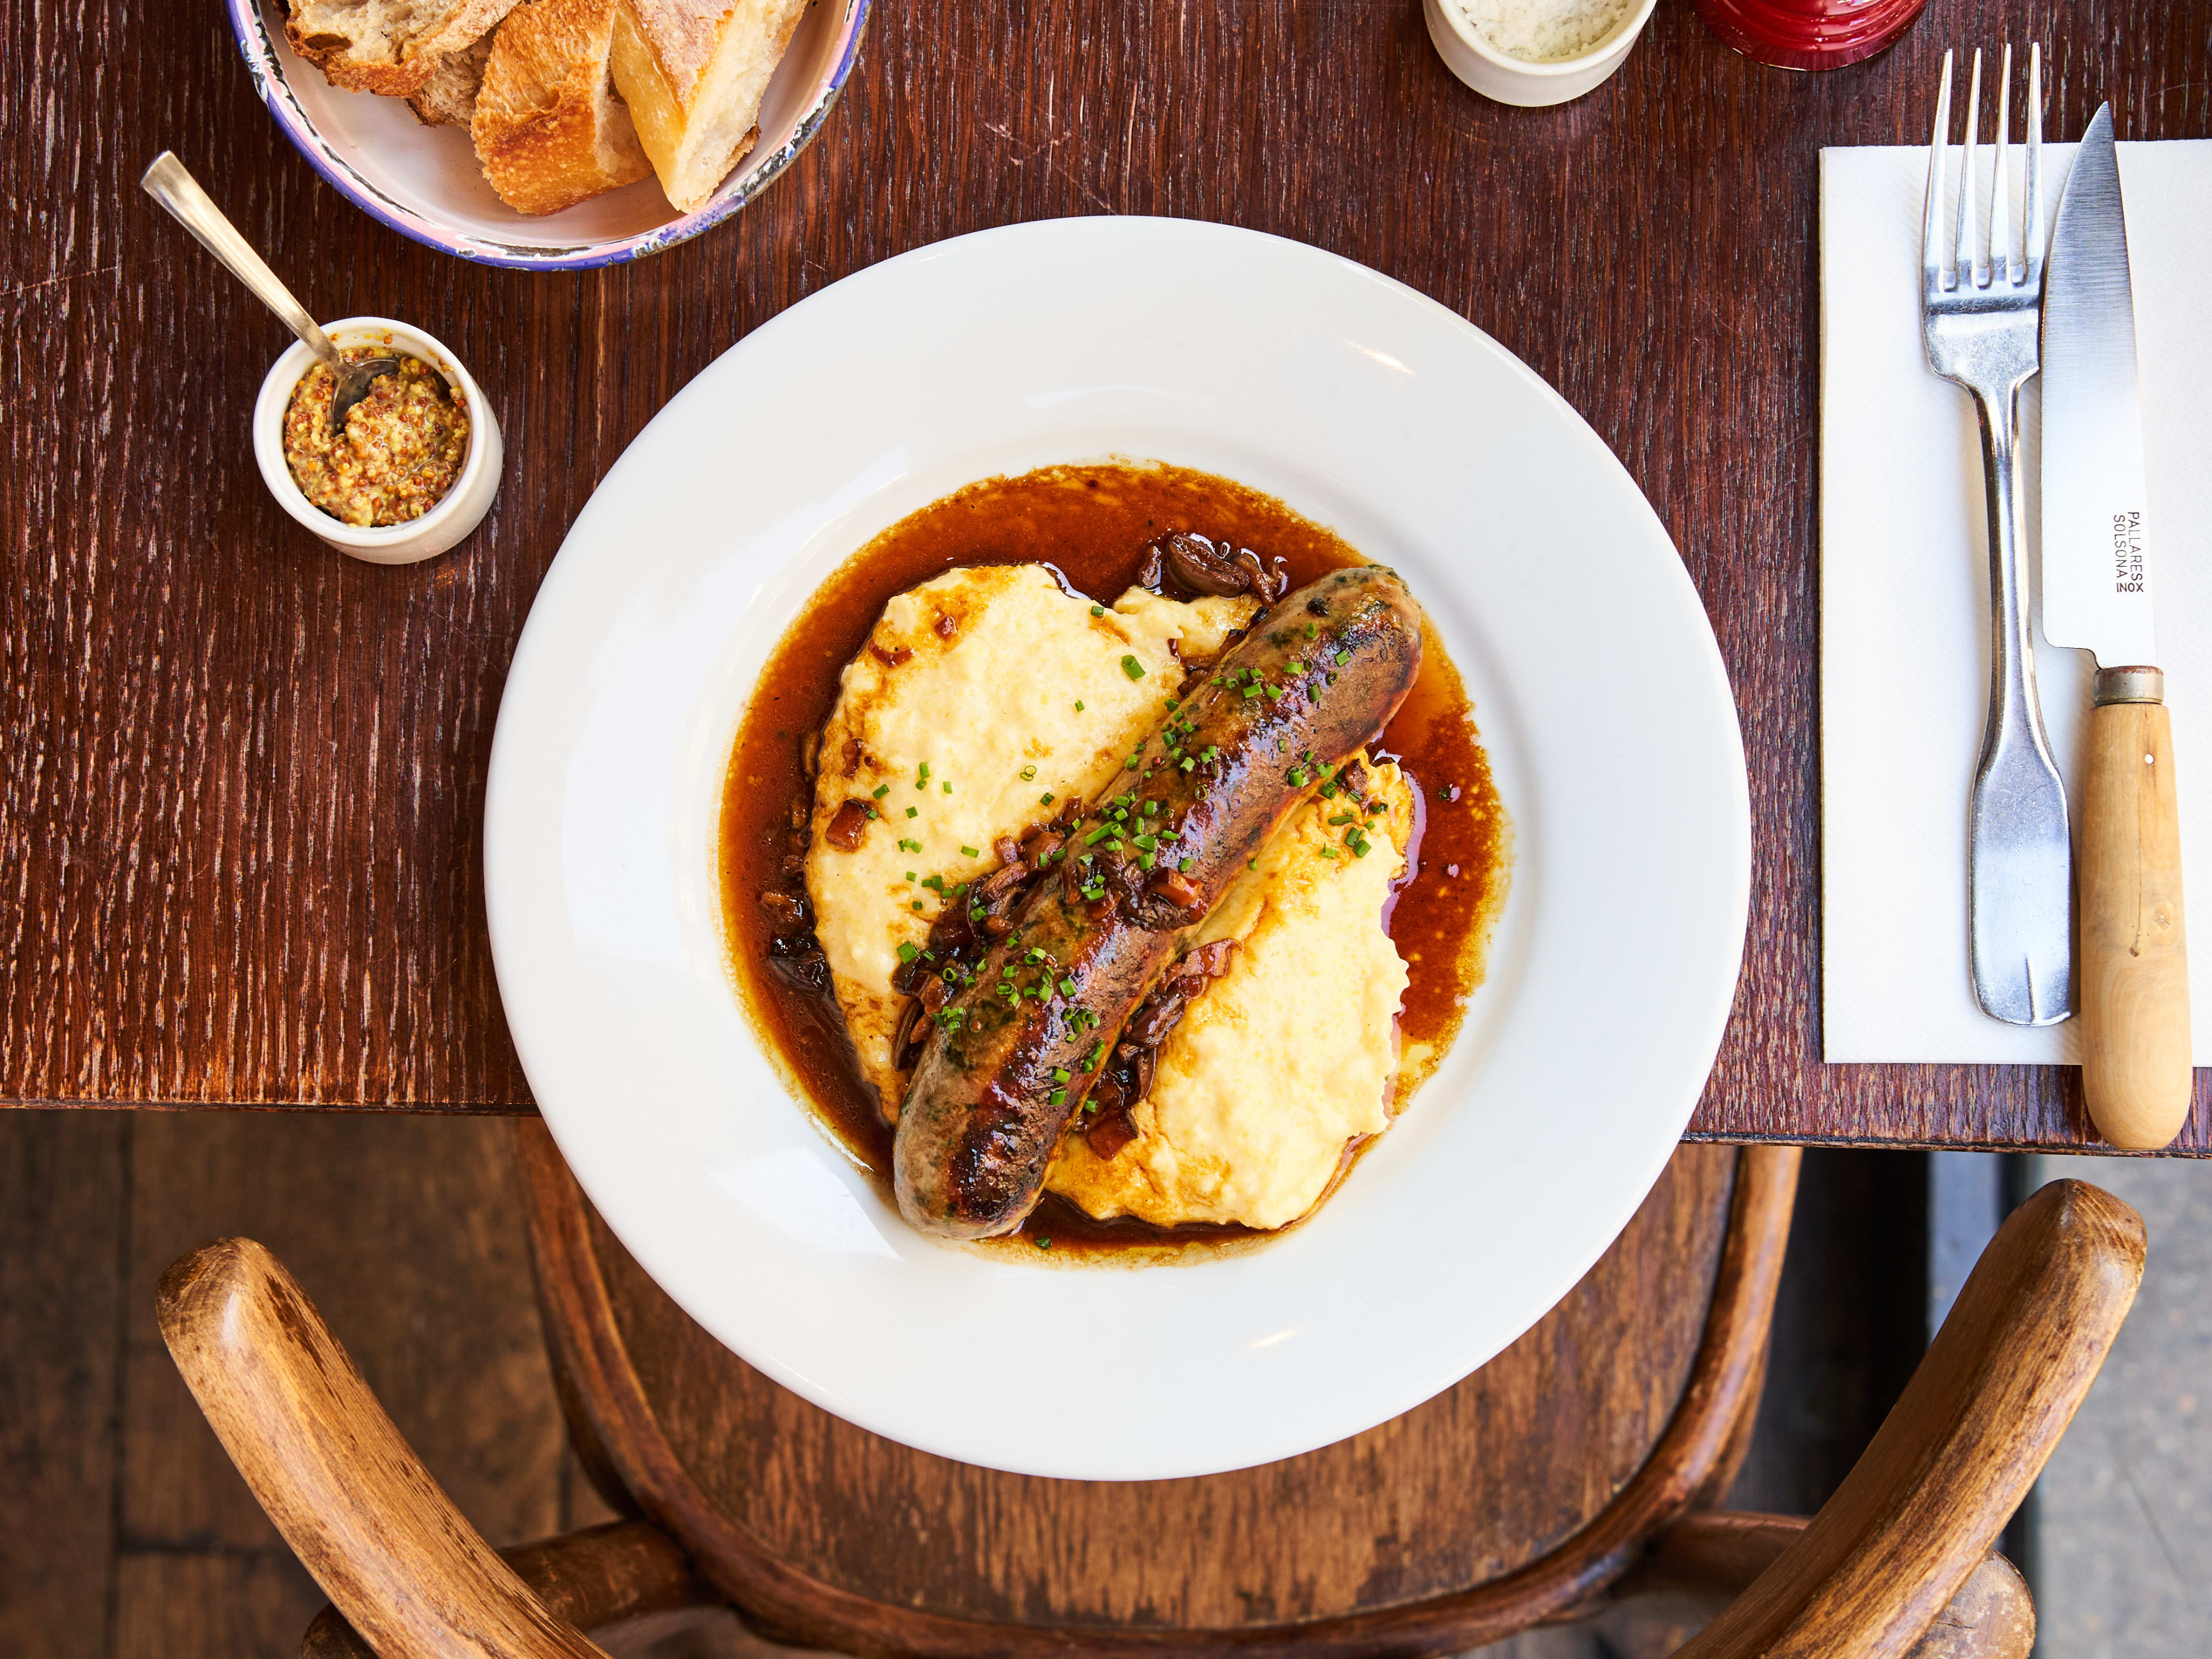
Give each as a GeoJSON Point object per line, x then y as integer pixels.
{"type": "Point", "coordinates": [1904, 600]}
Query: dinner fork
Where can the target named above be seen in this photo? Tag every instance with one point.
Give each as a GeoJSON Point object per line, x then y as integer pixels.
{"type": "Point", "coordinates": [1980, 310]}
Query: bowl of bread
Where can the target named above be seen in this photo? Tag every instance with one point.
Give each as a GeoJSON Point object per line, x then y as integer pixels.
{"type": "Point", "coordinates": [549, 134]}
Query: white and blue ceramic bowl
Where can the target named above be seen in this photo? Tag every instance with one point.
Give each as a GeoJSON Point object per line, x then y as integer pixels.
{"type": "Point", "coordinates": [424, 181]}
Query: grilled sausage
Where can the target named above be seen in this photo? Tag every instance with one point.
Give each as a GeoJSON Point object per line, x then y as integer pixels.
{"type": "Point", "coordinates": [1014, 1049]}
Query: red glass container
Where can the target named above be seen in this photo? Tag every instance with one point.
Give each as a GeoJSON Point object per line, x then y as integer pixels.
{"type": "Point", "coordinates": [1809, 34]}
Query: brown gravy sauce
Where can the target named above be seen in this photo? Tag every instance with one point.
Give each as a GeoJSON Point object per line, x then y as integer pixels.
{"type": "Point", "coordinates": [1090, 523]}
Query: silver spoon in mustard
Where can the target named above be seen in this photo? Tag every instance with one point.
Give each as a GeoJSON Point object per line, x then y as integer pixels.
{"type": "Point", "coordinates": [168, 183]}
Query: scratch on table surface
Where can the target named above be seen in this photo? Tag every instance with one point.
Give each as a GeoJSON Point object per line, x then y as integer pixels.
{"type": "Point", "coordinates": [1045, 150]}
{"type": "Point", "coordinates": [65, 276]}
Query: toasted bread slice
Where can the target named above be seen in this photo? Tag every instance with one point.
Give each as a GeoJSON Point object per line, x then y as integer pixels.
{"type": "Point", "coordinates": [389, 47]}
{"type": "Point", "coordinates": [449, 98]}
{"type": "Point", "coordinates": [549, 129]}
{"type": "Point", "coordinates": [693, 72]}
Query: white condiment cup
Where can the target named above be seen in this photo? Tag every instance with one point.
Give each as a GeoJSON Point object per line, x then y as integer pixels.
{"type": "Point", "coordinates": [460, 511]}
{"type": "Point", "coordinates": [1517, 80]}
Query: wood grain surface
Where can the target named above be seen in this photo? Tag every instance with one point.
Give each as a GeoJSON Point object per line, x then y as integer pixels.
{"type": "Point", "coordinates": [125, 1529]}
{"type": "Point", "coordinates": [241, 779]}
{"type": "Point", "coordinates": [1512, 1497]}
{"type": "Point", "coordinates": [336, 1478]}
{"type": "Point", "coordinates": [2134, 949]}
{"type": "Point", "coordinates": [1980, 1417]}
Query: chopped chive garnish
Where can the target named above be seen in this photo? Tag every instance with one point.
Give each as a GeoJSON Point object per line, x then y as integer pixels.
{"type": "Point", "coordinates": [1058, 1097]}
{"type": "Point", "coordinates": [1045, 799]}
{"type": "Point", "coordinates": [1187, 865]}
{"type": "Point", "coordinates": [873, 815]}
{"type": "Point", "coordinates": [1098, 610]}
{"type": "Point", "coordinates": [906, 951]}
{"type": "Point", "coordinates": [1068, 986]}
{"type": "Point", "coordinates": [1044, 1244]}
{"type": "Point", "coordinates": [1133, 668]}
{"type": "Point", "coordinates": [921, 773]}
{"type": "Point", "coordinates": [1130, 764]}
{"type": "Point", "coordinates": [1097, 834]}
{"type": "Point", "coordinates": [1029, 775]}
{"type": "Point", "coordinates": [882, 789]}
{"type": "Point", "coordinates": [1343, 657]}
{"type": "Point", "coordinates": [909, 874]}
{"type": "Point", "coordinates": [970, 852]}
{"type": "Point", "coordinates": [1061, 1074]}
{"type": "Point", "coordinates": [1150, 808]}
{"type": "Point", "coordinates": [948, 789]}
{"type": "Point", "coordinates": [1078, 705]}
{"type": "Point", "coordinates": [916, 907]}
{"type": "Point", "coordinates": [1311, 630]}
{"type": "Point", "coordinates": [914, 811]}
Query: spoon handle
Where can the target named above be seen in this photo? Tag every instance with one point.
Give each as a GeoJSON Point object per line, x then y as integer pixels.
{"type": "Point", "coordinates": [168, 182]}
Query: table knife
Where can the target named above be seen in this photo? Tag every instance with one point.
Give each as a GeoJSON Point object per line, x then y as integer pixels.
{"type": "Point", "coordinates": [2132, 977]}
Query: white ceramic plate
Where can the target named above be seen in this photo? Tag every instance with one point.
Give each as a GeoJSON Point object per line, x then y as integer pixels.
{"type": "Point", "coordinates": [1601, 699]}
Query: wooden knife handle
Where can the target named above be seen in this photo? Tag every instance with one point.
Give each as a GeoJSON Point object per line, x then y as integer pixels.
{"type": "Point", "coordinates": [2135, 954]}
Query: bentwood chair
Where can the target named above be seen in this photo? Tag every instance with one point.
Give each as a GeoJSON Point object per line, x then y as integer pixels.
{"type": "Point", "coordinates": [1573, 1477]}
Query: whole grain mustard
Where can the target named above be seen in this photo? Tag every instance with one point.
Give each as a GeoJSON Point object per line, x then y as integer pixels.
{"type": "Point", "coordinates": [402, 449]}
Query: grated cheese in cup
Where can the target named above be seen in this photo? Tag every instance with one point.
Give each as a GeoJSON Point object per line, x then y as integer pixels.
{"type": "Point", "coordinates": [1544, 31]}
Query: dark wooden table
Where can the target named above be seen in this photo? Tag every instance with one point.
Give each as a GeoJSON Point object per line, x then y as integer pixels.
{"type": "Point", "coordinates": [242, 781]}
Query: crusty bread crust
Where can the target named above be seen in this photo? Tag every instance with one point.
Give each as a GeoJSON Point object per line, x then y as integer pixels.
{"type": "Point", "coordinates": [684, 35]}
{"type": "Point", "coordinates": [694, 72]}
{"type": "Point", "coordinates": [549, 129]}
{"type": "Point", "coordinates": [388, 46]}
{"type": "Point", "coordinates": [449, 98]}
{"type": "Point", "coordinates": [467, 21]}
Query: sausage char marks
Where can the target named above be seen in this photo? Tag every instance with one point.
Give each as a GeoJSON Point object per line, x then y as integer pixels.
{"type": "Point", "coordinates": [1016, 1045]}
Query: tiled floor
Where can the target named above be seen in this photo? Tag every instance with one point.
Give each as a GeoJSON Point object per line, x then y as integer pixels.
{"type": "Point", "coordinates": [2123, 1558]}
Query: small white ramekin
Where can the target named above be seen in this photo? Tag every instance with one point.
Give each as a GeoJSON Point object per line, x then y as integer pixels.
{"type": "Point", "coordinates": [1516, 79]}
{"type": "Point", "coordinates": [464, 505]}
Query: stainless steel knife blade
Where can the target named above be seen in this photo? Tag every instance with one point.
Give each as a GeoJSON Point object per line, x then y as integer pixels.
{"type": "Point", "coordinates": [2096, 567]}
